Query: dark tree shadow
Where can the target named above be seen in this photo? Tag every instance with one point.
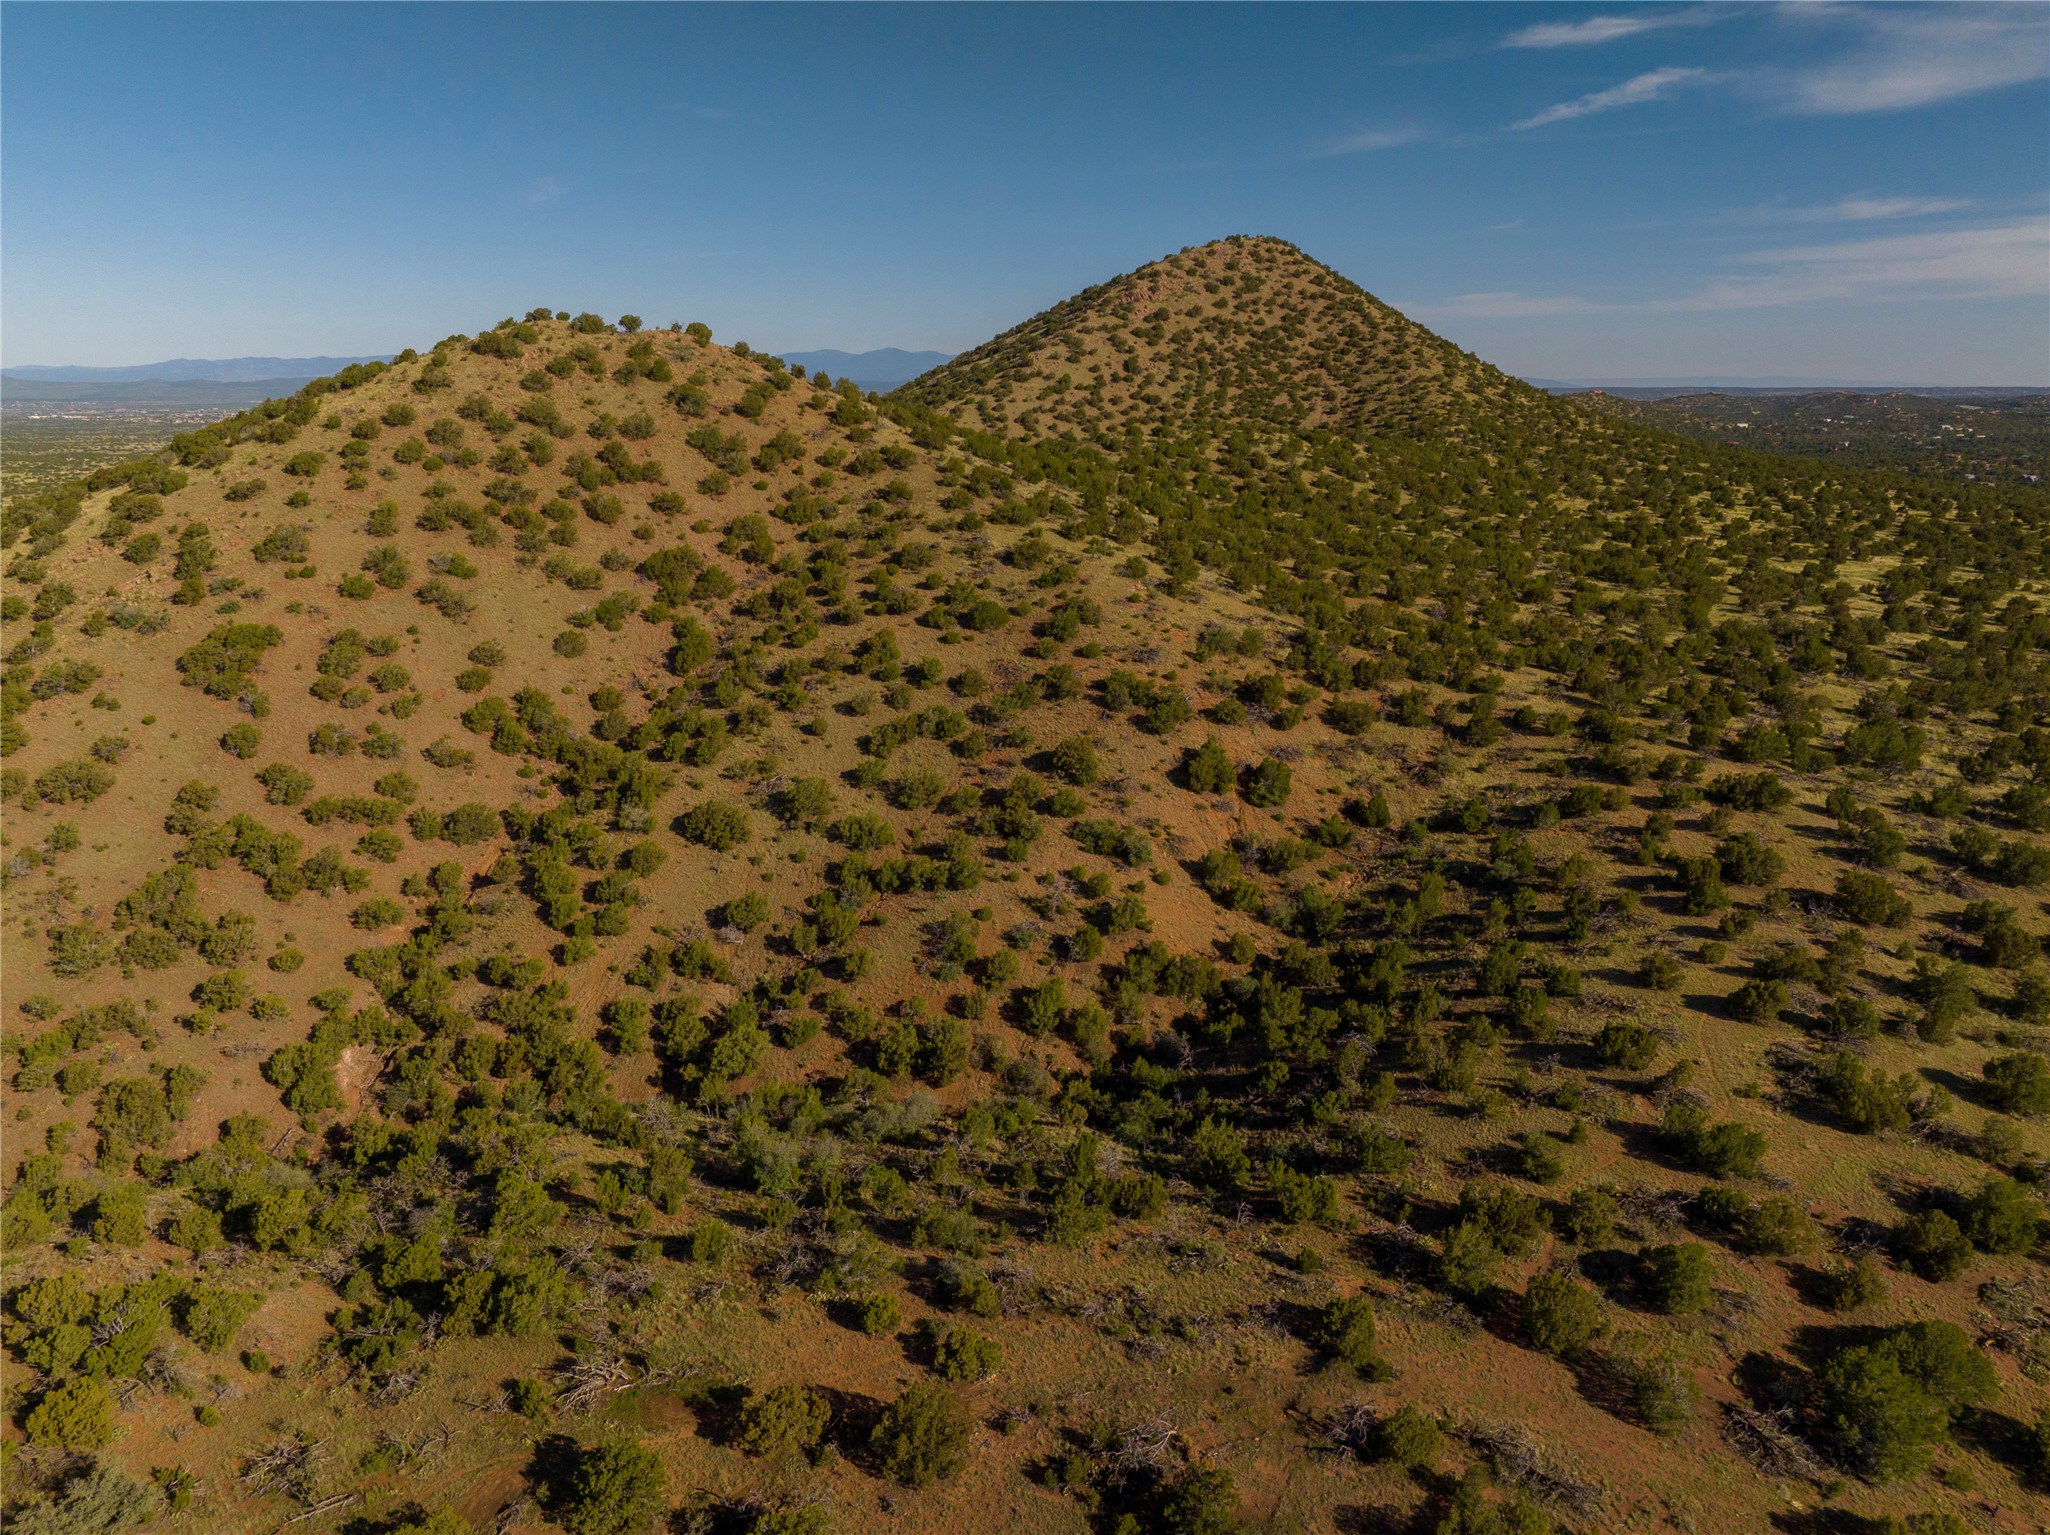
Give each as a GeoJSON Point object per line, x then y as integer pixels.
{"type": "Point", "coordinates": [2006, 1439]}
{"type": "Point", "coordinates": [1811, 1285]}
{"type": "Point", "coordinates": [853, 1422]}
{"type": "Point", "coordinates": [1824, 1521]}
{"type": "Point", "coordinates": [1398, 1253]}
{"type": "Point", "coordinates": [1812, 1344]}
{"type": "Point", "coordinates": [1600, 1384]}
{"type": "Point", "coordinates": [1965, 1089]}
{"type": "Point", "coordinates": [1613, 1271]}
{"type": "Point", "coordinates": [716, 1410]}
{"type": "Point", "coordinates": [549, 1468]}
{"type": "Point", "coordinates": [1770, 1383]}
{"type": "Point", "coordinates": [1383, 1519]}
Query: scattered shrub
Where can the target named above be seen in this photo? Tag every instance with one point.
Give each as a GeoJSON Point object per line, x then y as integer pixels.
{"type": "Point", "coordinates": [785, 1419]}
{"type": "Point", "coordinates": [1677, 1277]}
{"type": "Point", "coordinates": [921, 1438]}
{"type": "Point", "coordinates": [1344, 1330]}
{"type": "Point", "coordinates": [964, 1354]}
{"type": "Point", "coordinates": [1560, 1315]}
{"type": "Point", "coordinates": [614, 1489]}
{"type": "Point", "coordinates": [76, 1414]}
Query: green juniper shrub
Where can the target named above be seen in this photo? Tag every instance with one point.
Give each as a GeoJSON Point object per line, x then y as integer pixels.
{"type": "Point", "coordinates": [1267, 783]}
{"type": "Point", "coordinates": [1592, 1215]}
{"type": "Point", "coordinates": [1470, 1512]}
{"type": "Point", "coordinates": [1468, 1261]}
{"type": "Point", "coordinates": [1661, 1391]}
{"type": "Point", "coordinates": [1626, 1045]}
{"type": "Point", "coordinates": [1933, 1245]}
{"type": "Point", "coordinates": [963, 1354]}
{"type": "Point", "coordinates": [2002, 1217]}
{"type": "Point", "coordinates": [1410, 1438]}
{"type": "Point", "coordinates": [615, 1488]}
{"type": "Point", "coordinates": [1560, 1315]}
{"type": "Point", "coordinates": [716, 825]}
{"type": "Point", "coordinates": [2019, 1082]}
{"type": "Point", "coordinates": [921, 1438]}
{"type": "Point", "coordinates": [1726, 1150]}
{"type": "Point", "coordinates": [1773, 1227]}
{"type": "Point", "coordinates": [1888, 1403]}
{"type": "Point", "coordinates": [1202, 1500]}
{"type": "Point", "coordinates": [1344, 1331]}
{"type": "Point", "coordinates": [1677, 1278]}
{"type": "Point", "coordinates": [1208, 770]}
{"type": "Point", "coordinates": [786, 1419]}
{"type": "Point", "coordinates": [77, 1414]}
{"type": "Point", "coordinates": [1854, 1285]}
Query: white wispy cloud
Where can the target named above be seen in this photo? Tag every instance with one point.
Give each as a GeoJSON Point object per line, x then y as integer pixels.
{"type": "Point", "coordinates": [546, 190]}
{"type": "Point", "coordinates": [1916, 56]}
{"type": "Point", "coordinates": [1854, 208]}
{"type": "Point", "coordinates": [1582, 34]}
{"type": "Point", "coordinates": [1633, 92]}
{"type": "Point", "coordinates": [1879, 58]}
{"type": "Point", "coordinates": [1368, 140]}
{"type": "Point", "coordinates": [1859, 210]}
{"type": "Point", "coordinates": [2005, 259]}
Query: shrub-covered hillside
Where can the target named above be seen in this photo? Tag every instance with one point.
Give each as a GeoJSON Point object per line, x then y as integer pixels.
{"type": "Point", "coordinates": [1214, 918]}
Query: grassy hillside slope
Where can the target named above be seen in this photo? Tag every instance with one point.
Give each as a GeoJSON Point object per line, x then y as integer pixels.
{"type": "Point", "coordinates": [586, 914]}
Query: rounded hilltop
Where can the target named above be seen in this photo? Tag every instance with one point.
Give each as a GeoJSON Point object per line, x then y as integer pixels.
{"type": "Point", "coordinates": [1245, 333]}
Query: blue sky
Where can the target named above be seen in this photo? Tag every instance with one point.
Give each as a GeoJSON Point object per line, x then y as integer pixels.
{"type": "Point", "coordinates": [1827, 191]}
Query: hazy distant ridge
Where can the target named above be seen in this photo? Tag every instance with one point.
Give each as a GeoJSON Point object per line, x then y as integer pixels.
{"type": "Point", "coordinates": [237, 370]}
{"type": "Point", "coordinates": [886, 366]}
{"type": "Point", "coordinates": [170, 392]}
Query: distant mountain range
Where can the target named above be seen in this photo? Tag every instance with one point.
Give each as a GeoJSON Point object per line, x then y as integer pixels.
{"type": "Point", "coordinates": [235, 370]}
{"type": "Point", "coordinates": [246, 380]}
{"type": "Point", "coordinates": [884, 368]}
{"type": "Point", "coordinates": [180, 381]}
{"type": "Point", "coordinates": [172, 392]}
